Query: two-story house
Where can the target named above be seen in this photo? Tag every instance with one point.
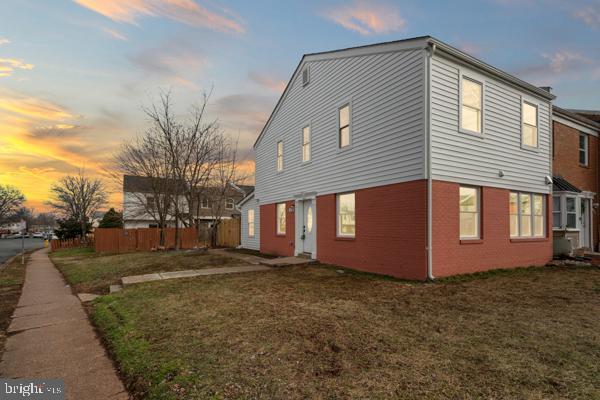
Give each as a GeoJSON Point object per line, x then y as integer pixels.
{"type": "Point", "coordinates": [408, 158]}
{"type": "Point", "coordinates": [575, 169]}
{"type": "Point", "coordinates": [139, 203]}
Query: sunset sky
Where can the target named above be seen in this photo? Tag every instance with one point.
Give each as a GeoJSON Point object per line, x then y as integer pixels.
{"type": "Point", "coordinates": [75, 74]}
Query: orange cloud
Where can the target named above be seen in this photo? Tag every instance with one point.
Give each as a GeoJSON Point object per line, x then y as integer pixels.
{"type": "Point", "coordinates": [31, 107]}
{"type": "Point", "coordinates": [183, 11]}
{"type": "Point", "coordinates": [367, 18]}
{"type": "Point", "coordinates": [9, 65]}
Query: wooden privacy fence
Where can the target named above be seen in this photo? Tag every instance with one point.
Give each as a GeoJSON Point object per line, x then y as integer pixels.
{"type": "Point", "coordinates": [229, 233]}
{"type": "Point", "coordinates": [57, 244]}
{"type": "Point", "coordinates": [116, 240]}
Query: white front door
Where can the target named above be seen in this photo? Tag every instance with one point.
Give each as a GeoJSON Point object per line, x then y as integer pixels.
{"type": "Point", "coordinates": [585, 224]}
{"type": "Point", "coordinates": [308, 226]}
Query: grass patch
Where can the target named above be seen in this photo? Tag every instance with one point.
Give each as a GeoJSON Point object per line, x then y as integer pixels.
{"type": "Point", "coordinates": [12, 276]}
{"type": "Point", "coordinates": [89, 272]}
{"type": "Point", "coordinates": [310, 332]}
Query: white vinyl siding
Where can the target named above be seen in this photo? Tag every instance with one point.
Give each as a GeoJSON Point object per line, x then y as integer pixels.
{"type": "Point", "coordinates": [469, 199]}
{"type": "Point", "coordinates": [527, 215]}
{"type": "Point", "coordinates": [250, 241]}
{"type": "Point", "coordinates": [386, 96]}
{"type": "Point", "coordinates": [497, 158]}
{"type": "Point", "coordinates": [346, 215]}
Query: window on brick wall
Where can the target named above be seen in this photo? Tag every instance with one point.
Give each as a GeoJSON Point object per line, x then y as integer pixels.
{"type": "Point", "coordinates": [583, 149]}
{"type": "Point", "coordinates": [346, 215]}
{"type": "Point", "coordinates": [281, 219]}
{"type": "Point", "coordinates": [527, 214]}
{"type": "Point", "coordinates": [469, 212]}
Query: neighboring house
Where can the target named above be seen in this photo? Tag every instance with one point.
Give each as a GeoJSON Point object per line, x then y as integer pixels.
{"type": "Point", "coordinates": [14, 227]}
{"type": "Point", "coordinates": [139, 197]}
{"type": "Point", "coordinates": [250, 215]}
{"type": "Point", "coordinates": [575, 169]}
{"type": "Point", "coordinates": [96, 218]}
{"type": "Point", "coordinates": [407, 158]}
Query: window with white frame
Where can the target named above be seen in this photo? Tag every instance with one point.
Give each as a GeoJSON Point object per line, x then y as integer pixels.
{"type": "Point", "coordinates": [583, 149]}
{"type": "Point", "coordinates": [346, 215]}
{"type": "Point", "coordinates": [344, 126]}
{"type": "Point", "coordinates": [469, 212]}
{"type": "Point", "coordinates": [526, 213]}
{"type": "Point", "coordinates": [205, 203]}
{"type": "Point", "coordinates": [556, 212]}
{"type": "Point", "coordinates": [250, 216]}
{"type": "Point", "coordinates": [571, 212]}
{"type": "Point", "coordinates": [229, 204]}
{"type": "Point", "coordinates": [279, 156]}
{"type": "Point", "coordinates": [306, 143]}
{"type": "Point", "coordinates": [529, 128]}
{"type": "Point", "coordinates": [281, 219]}
{"type": "Point", "coordinates": [150, 202]}
{"type": "Point", "coordinates": [471, 105]}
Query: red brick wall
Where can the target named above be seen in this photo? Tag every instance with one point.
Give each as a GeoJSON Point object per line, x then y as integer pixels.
{"type": "Point", "coordinates": [565, 162]}
{"type": "Point", "coordinates": [391, 231]}
{"type": "Point", "coordinates": [270, 242]}
{"type": "Point", "coordinates": [495, 249]}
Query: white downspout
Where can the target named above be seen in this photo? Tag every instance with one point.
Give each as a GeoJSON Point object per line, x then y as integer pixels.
{"type": "Point", "coordinates": [430, 276]}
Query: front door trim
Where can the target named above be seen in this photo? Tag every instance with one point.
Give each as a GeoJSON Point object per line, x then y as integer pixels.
{"type": "Point", "coordinates": [299, 219]}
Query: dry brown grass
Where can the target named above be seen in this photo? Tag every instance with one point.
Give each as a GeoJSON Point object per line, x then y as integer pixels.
{"type": "Point", "coordinates": [12, 276]}
{"type": "Point", "coordinates": [310, 332]}
{"type": "Point", "coordinates": [89, 272]}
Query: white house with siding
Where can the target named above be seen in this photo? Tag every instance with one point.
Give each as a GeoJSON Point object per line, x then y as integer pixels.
{"type": "Point", "coordinates": [408, 158]}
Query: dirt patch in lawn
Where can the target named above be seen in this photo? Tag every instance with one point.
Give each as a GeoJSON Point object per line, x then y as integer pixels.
{"type": "Point", "coordinates": [89, 272]}
{"type": "Point", "coordinates": [12, 276]}
{"type": "Point", "coordinates": [310, 332]}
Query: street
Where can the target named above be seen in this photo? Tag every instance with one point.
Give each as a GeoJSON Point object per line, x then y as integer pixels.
{"type": "Point", "coordinates": [11, 247]}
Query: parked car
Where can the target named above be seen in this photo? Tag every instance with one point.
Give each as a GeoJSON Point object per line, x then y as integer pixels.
{"type": "Point", "coordinates": [38, 235]}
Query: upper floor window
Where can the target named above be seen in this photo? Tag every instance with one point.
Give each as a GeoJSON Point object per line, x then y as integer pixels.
{"type": "Point", "coordinates": [150, 202]}
{"type": "Point", "coordinates": [527, 216]}
{"type": "Point", "coordinates": [583, 149]}
{"type": "Point", "coordinates": [469, 212]}
{"type": "Point", "coordinates": [344, 126]}
{"type": "Point", "coordinates": [529, 129]}
{"type": "Point", "coordinates": [205, 203]}
{"type": "Point", "coordinates": [471, 106]}
{"type": "Point", "coordinates": [346, 215]}
{"type": "Point", "coordinates": [279, 156]}
{"type": "Point", "coordinates": [229, 204]}
{"type": "Point", "coordinates": [306, 143]}
{"type": "Point", "coordinates": [250, 222]}
{"type": "Point", "coordinates": [281, 219]}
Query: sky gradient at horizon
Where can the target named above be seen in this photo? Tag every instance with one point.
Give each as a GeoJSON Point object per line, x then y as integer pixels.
{"type": "Point", "coordinates": [74, 75]}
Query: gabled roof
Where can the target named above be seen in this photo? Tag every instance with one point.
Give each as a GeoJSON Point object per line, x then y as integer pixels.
{"type": "Point", "coordinates": [245, 199]}
{"type": "Point", "coordinates": [560, 184]}
{"type": "Point", "coordinates": [576, 117]}
{"type": "Point", "coordinates": [420, 42]}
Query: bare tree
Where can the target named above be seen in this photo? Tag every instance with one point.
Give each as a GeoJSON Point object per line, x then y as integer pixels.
{"type": "Point", "coordinates": [78, 197]}
{"type": "Point", "coordinates": [11, 200]}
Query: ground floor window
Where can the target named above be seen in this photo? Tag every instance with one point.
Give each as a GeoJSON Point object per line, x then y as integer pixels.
{"type": "Point", "coordinates": [250, 222]}
{"type": "Point", "coordinates": [564, 211]}
{"type": "Point", "coordinates": [281, 219]}
{"type": "Point", "coordinates": [346, 215]}
{"type": "Point", "coordinates": [526, 213]}
{"type": "Point", "coordinates": [469, 212]}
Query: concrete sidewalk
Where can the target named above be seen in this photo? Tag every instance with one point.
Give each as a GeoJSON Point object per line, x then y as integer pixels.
{"type": "Point", "coordinates": [50, 337]}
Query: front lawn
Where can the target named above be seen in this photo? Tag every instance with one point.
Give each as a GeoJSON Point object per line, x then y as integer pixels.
{"type": "Point", "coordinates": [12, 276]}
{"type": "Point", "coordinates": [89, 272]}
{"type": "Point", "coordinates": [311, 332]}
